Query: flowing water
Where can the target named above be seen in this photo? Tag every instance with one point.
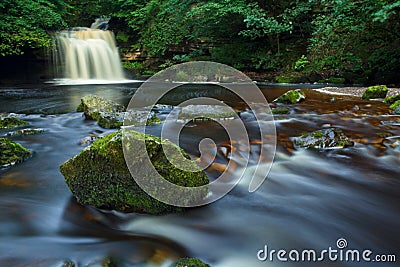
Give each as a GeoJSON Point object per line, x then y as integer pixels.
{"type": "Point", "coordinates": [310, 199]}
{"type": "Point", "coordinates": [88, 54]}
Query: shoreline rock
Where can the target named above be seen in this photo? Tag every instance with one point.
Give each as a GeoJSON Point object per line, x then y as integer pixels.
{"type": "Point", "coordinates": [374, 92]}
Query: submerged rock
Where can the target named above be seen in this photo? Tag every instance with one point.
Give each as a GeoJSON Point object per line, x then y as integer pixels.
{"type": "Point", "coordinates": [11, 122]}
{"type": "Point", "coordinates": [206, 112]}
{"type": "Point", "coordinates": [27, 131]}
{"type": "Point", "coordinates": [12, 152]}
{"type": "Point", "coordinates": [325, 138]}
{"type": "Point", "coordinates": [395, 107]}
{"type": "Point", "coordinates": [291, 97]}
{"type": "Point", "coordinates": [280, 110]}
{"type": "Point", "coordinates": [378, 91]}
{"type": "Point", "coordinates": [189, 262]}
{"type": "Point", "coordinates": [99, 177]}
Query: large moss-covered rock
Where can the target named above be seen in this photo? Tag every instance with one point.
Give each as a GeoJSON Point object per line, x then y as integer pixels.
{"type": "Point", "coordinates": [93, 105]}
{"type": "Point", "coordinates": [291, 97]}
{"type": "Point", "coordinates": [11, 122]}
{"type": "Point", "coordinates": [325, 138]}
{"type": "Point", "coordinates": [99, 176]}
{"type": "Point", "coordinates": [12, 152]}
{"type": "Point", "coordinates": [391, 99]}
{"type": "Point", "coordinates": [378, 91]}
{"type": "Point", "coordinates": [395, 107]}
{"type": "Point", "coordinates": [189, 262]}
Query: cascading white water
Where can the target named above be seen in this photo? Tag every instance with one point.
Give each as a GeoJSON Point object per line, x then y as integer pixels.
{"type": "Point", "coordinates": [88, 53]}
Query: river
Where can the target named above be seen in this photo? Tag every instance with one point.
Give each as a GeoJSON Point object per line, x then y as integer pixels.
{"type": "Point", "coordinates": [310, 199]}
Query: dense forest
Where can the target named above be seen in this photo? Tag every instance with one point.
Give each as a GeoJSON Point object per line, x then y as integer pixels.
{"type": "Point", "coordinates": [291, 40]}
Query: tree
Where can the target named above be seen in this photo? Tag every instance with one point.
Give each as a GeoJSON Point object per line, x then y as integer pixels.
{"type": "Point", "coordinates": [27, 23]}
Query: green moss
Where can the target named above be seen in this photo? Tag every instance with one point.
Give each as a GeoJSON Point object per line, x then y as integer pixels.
{"type": "Point", "coordinates": [11, 122]}
{"type": "Point", "coordinates": [189, 262]}
{"type": "Point", "coordinates": [378, 91]}
{"type": "Point", "coordinates": [291, 97]}
{"type": "Point", "coordinates": [12, 152]}
{"type": "Point", "coordinates": [391, 99]}
{"type": "Point", "coordinates": [395, 107]}
{"type": "Point", "coordinates": [325, 138]}
{"type": "Point", "coordinates": [318, 134]}
{"type": "Point", "coordinates": [27, 131]}
{"type": "Point", "coordinates": [335, 80]}
{"type": "Point", "coordinates": [93, 105]}
{"type": "Point", "coordinates": [277, 111]}
{"type": "Point", "coordinates": [99, 177]}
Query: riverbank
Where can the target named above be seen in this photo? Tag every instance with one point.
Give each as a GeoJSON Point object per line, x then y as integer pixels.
{"type": "Point", "coordinates": [352, 91]}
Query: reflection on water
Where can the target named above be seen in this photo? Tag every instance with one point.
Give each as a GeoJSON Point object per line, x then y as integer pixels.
{"type": "Point", "coordinates": [310, 199]}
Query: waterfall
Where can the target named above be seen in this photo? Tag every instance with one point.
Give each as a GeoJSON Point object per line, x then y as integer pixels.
{"type": "Point", "coordinates": [88, 53]}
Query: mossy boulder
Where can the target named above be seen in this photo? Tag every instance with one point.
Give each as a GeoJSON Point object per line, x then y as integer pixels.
{"type": "Point", "coordinates": [395, 107]}
{"type": "Point", "coordinates": [378, 91]}
{"type": "Point", "coordinates": [93, 105]}
{"type": "Point", "coordinates": [11, 122]}
{"type": "Point", "coordinates": [206, 112]}
{"type": "Point", "coordinates": [291, 97]}
{"type": "Point", "coordinates": [325, 138]}
{"type": "Point", "coordinates": [99, 176]}
{"type": "Point", "coordinates": [12, 152]}
{"type": "Point", "coordinates": [111, 115]}
{"type": "Point", "coordinates": [391, 99]}
{"type": "Point", "coordinates": [189, 262]}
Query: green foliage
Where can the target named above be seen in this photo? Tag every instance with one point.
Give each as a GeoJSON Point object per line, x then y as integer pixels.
{"type": "Point", "coordinates": [301, 63]}
{"type": "Point", "coordinates": [132, 65]}
{"type": "Point", "coordinates": [27, 23]}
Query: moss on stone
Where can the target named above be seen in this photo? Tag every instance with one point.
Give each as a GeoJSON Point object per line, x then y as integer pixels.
{"type": "Point", "coordinates": [12, 152]}
{"type": "Point", "coordinates": [325, 138]}
{"type": "Point", "coordinates": [378, 91]}
{"type": "Point", "coordinates": [11, 122]}
{"type": "Point", "coordinates": [189, 262]}
{"type": "Point", "coordinates": [317, 134]}
{"type": "Point", "coordinates": [391, 99]}
{"type": "Point", "coordinates": [280, 110]}
{"type": "Point", "coordinates": [99, 176]}
{"type": "Point", "coordinates": [93, 105]}
{"type": "Point", "coordinates": [27, 131]}
{"type": "Point", "coordinates": [395, 107]}
{"type": "Point", "coordinates": [291, 97]}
